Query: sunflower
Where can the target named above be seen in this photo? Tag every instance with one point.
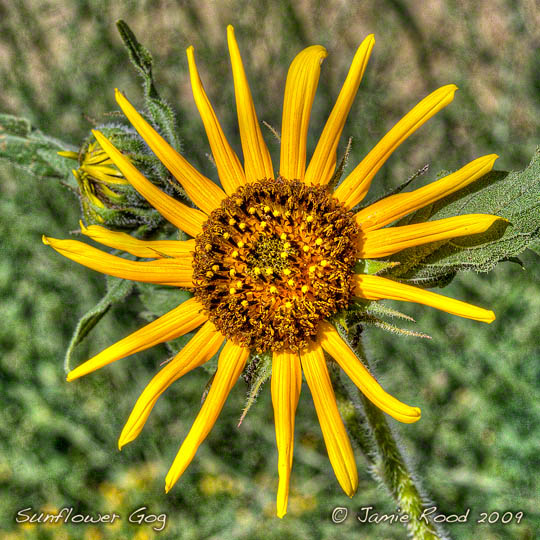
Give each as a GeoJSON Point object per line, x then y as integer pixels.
{"type": "Point", "coordinates": [273, 256]}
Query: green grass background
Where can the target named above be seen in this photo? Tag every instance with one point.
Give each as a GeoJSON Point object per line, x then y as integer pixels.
{"type": "Point", "coordinates": [478, 386]}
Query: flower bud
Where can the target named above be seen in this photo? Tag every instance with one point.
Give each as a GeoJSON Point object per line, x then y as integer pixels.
{"type": "Point", "coordinates": [106, 197]}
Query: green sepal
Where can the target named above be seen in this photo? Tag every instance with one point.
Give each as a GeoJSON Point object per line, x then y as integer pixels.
{"type": "Point", "coordinates": [394, 191]}
{"type": "Point", "coordinates": [379, 323]}
{"type": "Point", "coordinates": [341, 318]}
{"type": "Point", "coordinates": [336, 177]}
{"type": "Point", "coordinates": [117, 290]}
{"type": "Point", "coordinates": [258, 371]}
{"type": "Point", "coordinates": [29, 149]}
{"type": "Point", "coordinates": [513, 196]}
{"type": "Point", "coordinates": [366, 312]}
{"type": "Point", "coordinates": [385, 311]}
{"type": "Point", "coordinates": [371, 266]}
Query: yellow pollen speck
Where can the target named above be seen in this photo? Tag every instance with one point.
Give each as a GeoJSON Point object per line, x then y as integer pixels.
{"type": "Point", "coordinates": [215, 268]}
{"type": "Point", "coordinates": [288, 305]}
{"type": "Point", "coordinates": [319, 241]}
{"type": "Point", "coordinates": [232, 272]}
{"type": "Point", "coordinates": [232, 221]}
{"type": "Point", "coordinates": [238, 202]}
{"type": "Point", "coordinates": [241, 244]}
{"type": "Point", "coordinates": [309, 219]}
{"type": "Point", "coordinates": [287, 214]}
{"type": "Point", "coordinates": [234, 254]}
{"type": "Point", "coordinates": [209, 274]}
{"type": "Point", "coordinates": [283, 236]}
{"type": "Point", "coordinates": [232, 290]}
{"type": "Point", "coordinates": [290, 282]}
{"type": "Point", "coordinates": [252, 210]}
{"type": "Point", "coordinates": [287, 271]}
{"type": "Point", "coordinates": [306, 249]}
{"type": "Point", "coordinates": [284, 254]}
{"type": "Point", "coordinates": [269, 270]}
{"type": "Point", "coordinates": [287, 245]}
{"type": "Point", "coordinates": [266, 208]}
{"type": "Point", "coordinates": [263, 224]}
{"type": "Point", "coordinates": [305, 289]}
{"type": "Point", "coordinates": [273, 289]}
{"type": "Point", "coordinates": [276, 213]}
{"type": "Point", "coordinates": [226, 235]}
{"type": "Point", "coordinates": [208, 247]}
{"type": "Point", "coordinates": [239, 284]}
{"type": "Point", "coordinates": [312, 269]}
{"type": "Point", "coordinates": [245, 303]}
{"type": "Point", "coordinates": [242, 226]}
{"type": "Point", "coordinates": [257, 270]}
{"type": "Point", "coordinates": [324, 263]}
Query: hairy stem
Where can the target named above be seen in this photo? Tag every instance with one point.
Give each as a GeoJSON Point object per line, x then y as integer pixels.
{"type": "Point", "coordinates": [370, 430]}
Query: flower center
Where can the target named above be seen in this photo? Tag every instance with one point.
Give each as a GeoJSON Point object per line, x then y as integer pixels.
{"type": "Point", "coordinates": [273, 261]}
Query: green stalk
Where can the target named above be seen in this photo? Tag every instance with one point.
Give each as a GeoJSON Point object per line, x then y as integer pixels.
{"type": "Point", "coordinates": [370, 430]}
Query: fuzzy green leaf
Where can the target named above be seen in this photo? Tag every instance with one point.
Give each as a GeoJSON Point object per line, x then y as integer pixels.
{"type": "Point", "coordinates": [28, 148]}
{"type": "Point", "coordinates": [158, 109]}
{"type": "Point", "coordinates": [140, 57]}
{"type": "Point", "coordinates": [535, 246]}
{"type": "Point", "coordinates": [117, 290]}
{"type": "Point", "coordinates": [160, 300]}
{"type": "Point", "coordinates": [514, 196]}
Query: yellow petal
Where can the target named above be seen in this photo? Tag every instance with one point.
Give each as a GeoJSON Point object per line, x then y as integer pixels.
{"type": "Point", "coordinates": [332, 343]}
{"type": "Point", "coordinates": [104, 174]}
{"type": "Point", "coordinates": [156, 249]}
{"type": "Point", "coordinates": [87, 190]}
{"type": "Point", "coordinates": [201, 190]}
{"type": "Point", "coordinates": [230, 364]}
{"type": "Point", "coordinates": [202, 346]}
{"type": "Point", "coordinates": [300, 88]}
{"type": "Point", "coordinates": [228, 165]}
{"type": "Point", "coordinates": [69, 154]}
{"type": "Point", "coordinates": [174, 272]}
{"type": "Point", "coordinates": [185, 218]}
{"type": "Point", "coordinates": [383, 242]}
{"type": "Point", "coordinates": [323, 163]}
{"type": "Point", "coordinates": [177, 322]}
{"type": "Point", "coordinates": [354, 188]}
{"type": "Point", "coordinates": [335, 436]}
{"type": "Point", "coordinates": [257, 161]}
{"type": "Point", "coordinates": [286, 384]}
{"type": "Point", "coordinates": [378, 288]}
{"type": "Point", "coordinates": [391, 208]}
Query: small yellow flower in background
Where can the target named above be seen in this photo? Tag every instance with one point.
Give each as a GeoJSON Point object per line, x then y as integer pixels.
{"type": "Point", "coordinates": [272, 257]}
{"type": "Point", "coordinates": [211, 484]}
{"type": "Point", "coordinates": [92, 533]}
{"type": "Point", "coordinates": [112, 494]}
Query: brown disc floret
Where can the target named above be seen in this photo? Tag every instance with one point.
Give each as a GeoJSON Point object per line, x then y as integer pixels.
{"type": "Point", "coordinates": [272, 261]}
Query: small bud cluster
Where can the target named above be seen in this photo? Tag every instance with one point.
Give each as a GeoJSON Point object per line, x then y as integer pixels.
{"type": "Point", "coordinates": [107, 198]}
